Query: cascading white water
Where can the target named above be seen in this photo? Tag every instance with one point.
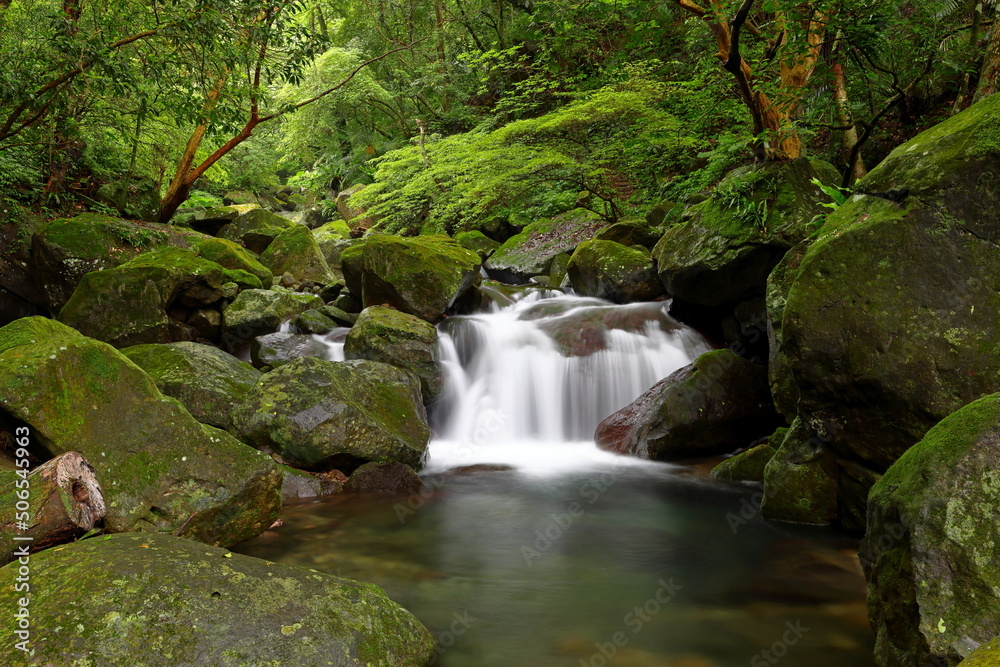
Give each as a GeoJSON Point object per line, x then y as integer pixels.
{"type": "Point", "coordinates": [528, 383]}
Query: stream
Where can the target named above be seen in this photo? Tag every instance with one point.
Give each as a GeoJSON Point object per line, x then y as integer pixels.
{"type": "Point", "coordinates": [531, 547]}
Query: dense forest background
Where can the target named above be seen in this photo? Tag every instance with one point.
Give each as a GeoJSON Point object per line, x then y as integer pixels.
{"type": "Point", "coordinates": [457, 113]}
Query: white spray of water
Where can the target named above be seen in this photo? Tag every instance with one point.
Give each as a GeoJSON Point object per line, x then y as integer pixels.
{"type": "Point", "coordinates": [528, 383]}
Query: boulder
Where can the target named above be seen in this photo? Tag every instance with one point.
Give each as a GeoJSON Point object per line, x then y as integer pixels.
{"type": "Point", "coordinates": [148, 299]}
{"type": "Point", "coordinates": [277, 349]}
{"type": "Point", "coordinates": [321, 414]}
{"type": "Point", "coordinates": [340, 317]}
{"type": "Point", "coordinates": [725, 246]}
{"type": "Point", "coordinates": [301, 485]}
{"type": "Point", "coordinates": [383, 478]}
{"type": "Point", "coordinates": [387, 335]}
{"type": "Point", "coordinates": [351, 263]}
{"type": "Point", "coordinates": [159, 469]}
{"type": "Point", "coordinates": [477, 242]}
{"type": "Point", "coordinates": [783, 389]}
{"type": "Point", "coordinates": [890, 322]}
{"type": "Point", "coordinates": [161, 601]}
{"type": "Point", "coordinates": [930, 552]}
{"type": "Point", "coordinates": [206, 380]}
{"type": "Point", "coordinates": [333, 248]}
{"type": "Point", "coordinates": [315, 321]}
{"type": "Point", "coordinates": [987, 655]}
{"type": "Point", "coordinates": [630, 233]}
{"type": "Point", "coordinates": [530, 253]}
{"type": "Point", "coordinates": [609, 270]}
{"type": "Point", "coordinates": [258, 312]}
{"type": "Point", "coordinates": [295, 251]}
{"type": "Point", "coordinates": [21, 292]}
{"type": "Point", "coordinates": [211, 220]}
{"type": "Point", "coordinates": [353, 214]}
{"type": "Point", "coordinates": [255, 230]}
{"type": "Point", "coordinates": [748, 466]}
{"type": "Point", "coordinates": [423, 276]}
{"type": "Point", "coordinates": [717, 404]}
{"type": "Point", "coordinates": [239, 197]}
{"type": "Point", "coordinates": [800, 480]}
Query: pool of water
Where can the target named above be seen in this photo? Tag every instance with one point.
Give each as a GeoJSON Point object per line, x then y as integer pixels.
{"type": "Point", "coordinates": [631, 565]}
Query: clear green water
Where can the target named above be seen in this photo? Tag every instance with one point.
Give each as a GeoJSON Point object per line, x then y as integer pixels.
{"type": "Point", "coordinates": [644, 566]}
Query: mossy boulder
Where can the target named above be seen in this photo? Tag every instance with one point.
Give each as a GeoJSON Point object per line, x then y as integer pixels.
{"type": "Point", "coordinates": [987, 655]}
{"type": "Point", "coordinates": [725, 246]}
{"type": "Point", "coordinates": [630, 233]}
{"type": "Point", "coordinates": [321, 414]}
{"type": "Point", "coordinates": [277, 349]}
{"type": "Point", "coordinates": [211, 220]}
{"type": "Point", "coordinates": [890, 321]}
{"type": "Point", "coordinates": [256, 229]}
{"type": "Point", "coordinates": [529, 253]}
{"type": "Point", "coordinates": [206, 380]}
{"type": "Point", "coordinates": [609, 270]}
{"type": "Point", "coordinates": [783, 388]}
{"type": "Point", "coordinates": [351, 266]}
{"type": "Point", "coordinates": [148, 299]}
{"type": "Point", "coordinates": [930, 553]}
{"type": "Point", "coordinates": [423, 276]}
{"type": "Point", "coordinates": [716, 405]}
{"type": "Point", "coordinates": [383, 478]}
{"type": "Point", "coordinates": [336, 230]}
{"type": "Point", "coordinates": [748, 466]}
{"type": "Point", "coordinates": [295, 251]}
{"type": "Point", "coordinates": [258, 312]}
{"type": "Point", "coordinates": [159, 468]}
{"type": "Point", "coordinates": [387, 335]}
{"type": "Point", "coordinates": [800, 480]}
{"type": "Point", "coordinates": [160, 601]}
{"type": "Point", "coordinates": [315, 321]}
{"type": "Point", "coordinates": [230, 255]}
{"type": "Point", "coordinates": [477, 242]}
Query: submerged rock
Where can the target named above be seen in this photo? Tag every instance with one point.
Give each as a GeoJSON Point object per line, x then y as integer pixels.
{"type": "Point", "coordinates": [387, 335]}
{"type": "Point", "coordinates": [159, 469]}
{"type": "Point", "coordinates": [423, 276]}
{"type": "Point", "coordinates": [930, 553]}
{"type": "Point", "coordinates": [715, 405]}
{"type": "Point", "coordinates": [206, 380]}
{"type": "Point", "coordinates": [609, 270]}
{"type": "Point", "coordinates": [383, 478]}
{"type": "Point", "coordinates": [159, 601]}
{"type": "Point", "coordinates": [321, 414]}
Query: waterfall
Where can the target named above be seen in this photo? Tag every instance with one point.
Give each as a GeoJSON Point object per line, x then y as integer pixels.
{"type": "Point", "coordinates": [528, 383]}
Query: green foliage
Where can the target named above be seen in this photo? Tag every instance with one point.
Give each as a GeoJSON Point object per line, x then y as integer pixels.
{"type": "Point", "coordinates": [838, 197]}
{"type": "Point", "coordinates": [199, 198]}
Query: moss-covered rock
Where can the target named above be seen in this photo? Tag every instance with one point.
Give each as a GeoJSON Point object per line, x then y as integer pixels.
{"type": "Point", "coordinates": [211, 220]}
{"type": "Point", "coordinates": [314, 321]}
{"type": "Point", "coordinates": [206, 380]}
{"type": "Point", "coordinates": [336, 230]}
{"type": "Point", "coordinates": [387, 335]}
{"type": "Point", "coordinates": [321, 414]}
{"type": "Point", "coordinates": [149, 298]}
{"type": "Point", "coordinates": [800, 480]}
{"type": "Point", "coordinates": [609, 270]}
{"type": "Point", "coordinates": [930, 553]}
{"type": "Point", "coordinates": [258, 312]}
{"type": "Point", "coordinates": [383, 478]}
{"type": "Point", "coordinates": [277, 349]}
{"type": "Point", "coordinates": [630, 233]}
{"type": "Point", "coordinates": [423, 276]}
{"type": "Point", "coordinates": [351, 262]}
{"type": "Point", "coordinates": [783, 389]}
{"type": "Point", "coordinates": [748, 466]}
{"type": "Point", "coordinates": [160, 470]}
{"type": "Point", "coordinates": [987, 655]}
{"type": "Point", "coordinates": [725, 246]}
{"type": "Point", "coordinates": [477, 242]}
{"type": "Point", "coordinates": [530, 253]}
{"type": "Point", "coordinates": [255, 229]}
{"type": "Point", "coordinates": [295, 251]}
{"type": "Point", "coordinates": [890, 322]}
{"type": "Point", "coordinates": [160, 601]}
{"type": "Point", "coordinates": [717, 404]}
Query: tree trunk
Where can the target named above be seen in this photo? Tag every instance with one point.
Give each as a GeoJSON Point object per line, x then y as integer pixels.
{"type": "Point", "coordinates": [64, 501]}
{"type": "Point", "coordinates": [965, 86]}
{"type": "Point", "coordinates": [848, 137]}
{"type": "Point", "coordinates": [989, 77]}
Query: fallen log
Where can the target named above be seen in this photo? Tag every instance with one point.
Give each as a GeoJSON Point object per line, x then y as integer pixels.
{"type": "Point", "coordinates": [56, 502]}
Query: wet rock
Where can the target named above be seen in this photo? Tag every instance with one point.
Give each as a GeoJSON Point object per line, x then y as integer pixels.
{"type": "Point", "coordinates": [258, 312]}
{"type": "Point", "coordinates": [930, 551]}
{"type": "Point", "coordinates": [383, 478]}
{"type": "Point", "coordinates": [314, 321]}
{"type": "Point", "coordinates": [321, 414]}
{"type": "Point", "coordinates": [387, 335]}
{"type": "Point", "coordinates": [206, 380]}
{"type": "Point", "coordinates": [277, 349]}
{"type": "Point", "coordinates": [800, 480]}
{"type": "Point", "coordinates": [159, 469]}
{"type": "Point", "coordinates": [136, 599]}
{"type": "Point", "coordinates": [609, 270]}
{"type": "Point", "coordinates": [423, 276]}
{"type": "Point", "coordinates": [749, 466]}
{"type": "Point", "coordinates": [530, 253]}
{"type": "Point", "coordinates": [715, 405]}
{"type": "Point", "coordinates": [478, 243]}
